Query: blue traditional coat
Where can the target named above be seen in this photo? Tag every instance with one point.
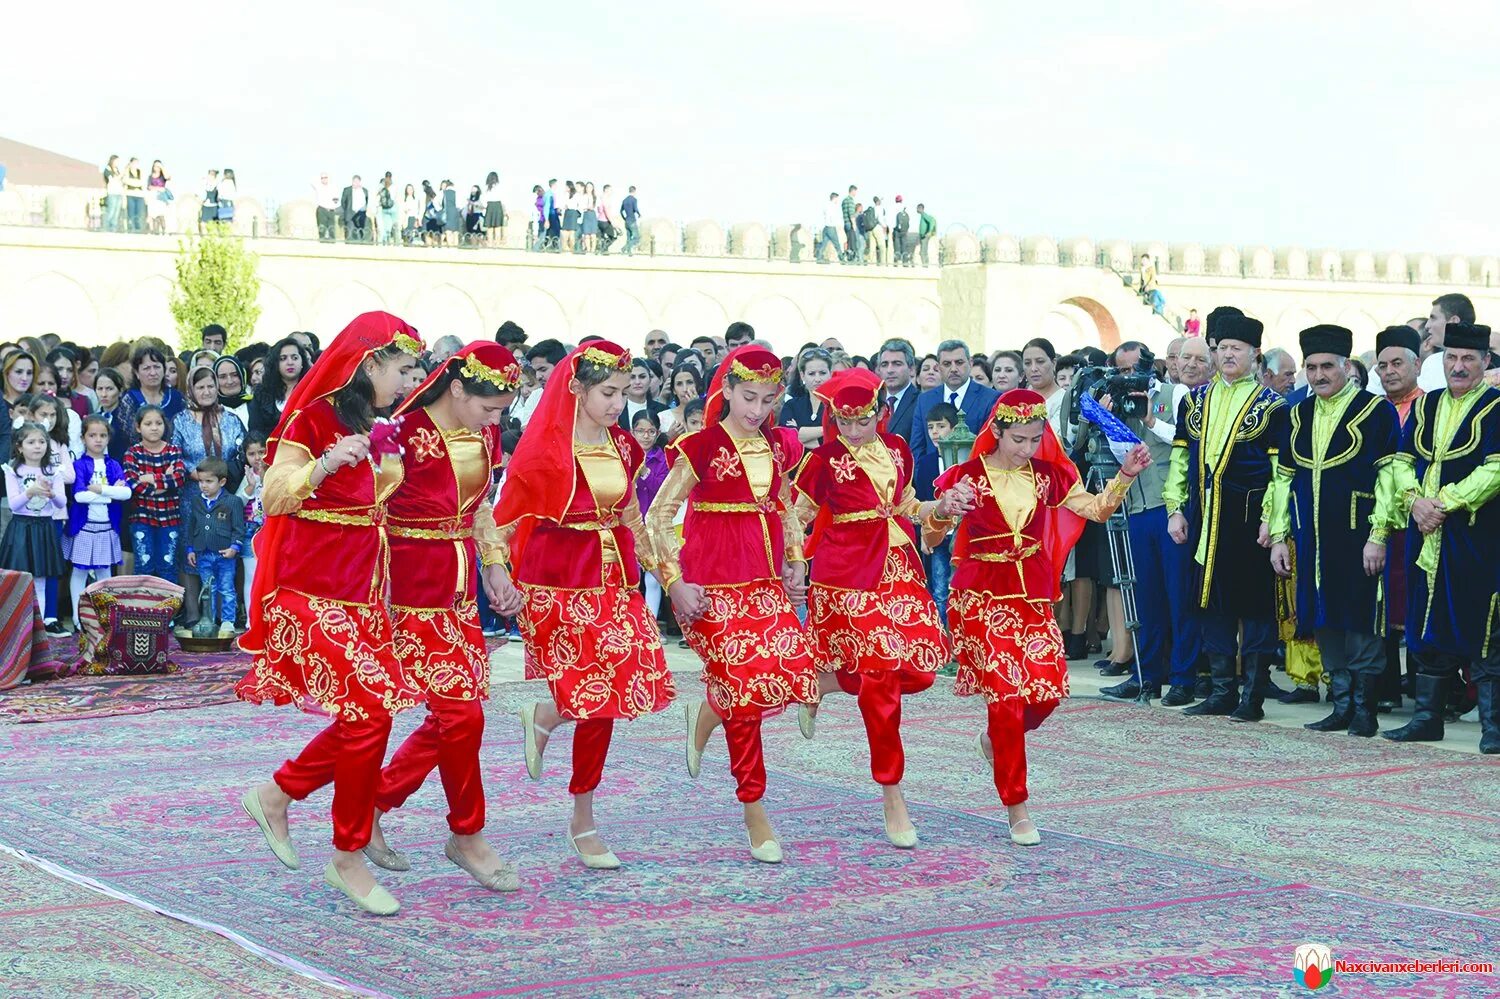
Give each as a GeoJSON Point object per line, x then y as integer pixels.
{"type": "Point", "coordinates": [1331, 503]}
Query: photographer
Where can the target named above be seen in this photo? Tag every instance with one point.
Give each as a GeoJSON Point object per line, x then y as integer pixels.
{"type": "Point", "coordinates": [1163, 569]}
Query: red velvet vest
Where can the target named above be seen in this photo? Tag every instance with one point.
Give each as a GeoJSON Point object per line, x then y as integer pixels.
{"type": "Point", "coordinates": [570, 555]}
{"type": "Point", "coordinates": [430, 518]}
{"type": "Point", "coordinates": [729, 536]}
{"type": "Point", "coordinates": [851, 550]}
{"type": "Point", "coordinates": [1004, 559]}
{"type": "Point", "coordinates": [335, 544]}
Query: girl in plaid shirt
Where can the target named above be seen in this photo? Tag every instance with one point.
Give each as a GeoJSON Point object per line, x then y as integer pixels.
{"type": "Point", "coordinates": [155, 470]}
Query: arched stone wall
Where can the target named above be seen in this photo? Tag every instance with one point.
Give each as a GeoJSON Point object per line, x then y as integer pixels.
{"type": "Point", "coordinates": [337, 305]}
{"type": "Point", "coordinates": [442, 310]}
{"type": "Point", "coordinates": [613, 314]}
{"type": "Point", "coordinates": [52, 303]}
{"type": "Point", "coordinates": [778, 319]}
{"type": "Point", "coordinates": [1104, 322]}
{"type": "Point", "coordinates": [853, 322]}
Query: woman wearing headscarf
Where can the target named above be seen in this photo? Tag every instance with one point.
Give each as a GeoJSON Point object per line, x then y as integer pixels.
{"type": "Point", "coordinates": [441, 526]}
{"type": "Point", "coordinates": [742, 569]}
{"type": "Point", "coordinates": [1029, 509]}
{"type": "Point", "coordinates": [874, 628]}
{"type": "Point", "coordinates": [234, 391]}
{"type": "Point", "coordinates": [319, 630]}
{"type": "Point", "coordinates": [570, 512]}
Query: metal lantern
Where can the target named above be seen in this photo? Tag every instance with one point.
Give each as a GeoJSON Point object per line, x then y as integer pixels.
{"type": "Point", "coordinates": [956, 446]}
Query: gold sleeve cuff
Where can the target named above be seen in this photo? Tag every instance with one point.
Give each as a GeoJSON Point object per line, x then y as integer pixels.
{"type": "Point", "coordinates": [1379, 536]}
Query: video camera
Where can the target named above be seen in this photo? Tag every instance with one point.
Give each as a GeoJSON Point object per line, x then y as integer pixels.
{"type": "Point", "coordinates": [1122, 387]}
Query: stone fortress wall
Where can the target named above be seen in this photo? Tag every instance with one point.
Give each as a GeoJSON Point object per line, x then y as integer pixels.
{"type": "Point", "coordinates": [991, 289]}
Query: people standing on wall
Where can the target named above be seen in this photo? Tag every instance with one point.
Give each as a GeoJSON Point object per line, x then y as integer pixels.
{"type": "Point", "coordinates": [903, 235]}
{"type": "Point", "coordinates": [158, 196]}
{"type": "Point", "coordinates": [326, 199]}
{"type": "Point", "coordinates": [114, 194]}
{"type": "Point", "coordinates": [411, 213]}
{"type": "Point", "coordinates": [385, 202]}
{"type": "Point", "coordinates": [925, 230]}
{"type": "Point", "coordinates": [225, 195]}
{"type": "Point", "coordinates": [494, 211]}
{"type": "Point", "coordinates": [607, 231]}
{"type": "Point", "coordinates": [354, 211]}
{"type": "Point", "coordinates": [847, 214]}
{"type": "Point", "coordinates": [474, 217]}
{"type": "Point", "coordinates": [588, 222]}
{"type": "Point", "coordinates": [833, 219]}
{"type": "Point", "coordinates": [452, 222]}
{"type": "Point", "coordinates": [630, 214]}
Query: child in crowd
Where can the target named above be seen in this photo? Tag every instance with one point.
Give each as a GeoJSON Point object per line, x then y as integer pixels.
{"type": "Point", "coordinates": [215, 539]}
{"type": "Point", "coordinates": [942, 419]}
{"type": "Point", "coordinates": [692, 416]}
{"type": "Point", "coordinates": [68, 427]}
{"type": "Point", "coordinates": [20, 411]}
{"type": "Point", "coordinates": [653, 473]}
{"type": "Point", "coordinates": [155, 472]}
{"type": "Point", "coordinates": [34, 489]}
{"type": "Point", "coordinates": [92, 542]}
{"type": "Point", "coordinates": [249, 495]}
{"type": "Point", "coordinates": [51, 413]}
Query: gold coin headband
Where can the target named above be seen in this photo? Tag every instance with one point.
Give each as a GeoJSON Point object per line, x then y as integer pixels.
{"type": "Point", "coordinates": [767, 374]}
{"type": "Point", "coordinates": [505, 379]}
{"type": "Point", "coordinates": [856, 412]}
{"type": "Point", "coordinates": [603, 358]}
{"type": "Point", "coordinates": [1024, 413]}
{"type": "Point", "coordinates": [408, 344]}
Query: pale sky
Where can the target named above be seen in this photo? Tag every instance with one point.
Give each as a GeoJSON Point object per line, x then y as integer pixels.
{"type": "Point", "coordinates": [1321, 124]}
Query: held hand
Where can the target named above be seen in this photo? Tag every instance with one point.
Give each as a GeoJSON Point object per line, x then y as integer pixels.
{"type": "Point", "coordinates": [1150, 418]}
{"type": "Point", "coordinates": [1177, 528]}
{"type": "Point", "coordinates": [794, 578]}
{"type": "Point", "coordinates": [192, 559]}
{"type": "Point", "coordinates": [1281, 559]}
{"type": "Point", "coordinates": [687, 601]}
{"type": "Point", "coordinates": [505, 599]}
{"type": "Point", "coordinates": [1106, 403]}
{"type": "Point", "coordinates": [956, 501]}
{"type": "Point", "coordinates": [350, 450]}
{"type": "Point", "coordinates": [1137, 460]}
{"type": "Point", "coordinates": [1374, 558]}
{"type": "Point", "coordinates": [1264, 538]}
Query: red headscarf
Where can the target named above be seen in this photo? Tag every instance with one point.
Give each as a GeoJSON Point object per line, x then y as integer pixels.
{"type": "Point", "coordinates": [540, 480]}
{"type": "Point", "coordinates": [1061, 527]}
{"type": "Point", "coordinates": [752, 364]}
{"type": "Point", "coordinates": [367, 334]}
{"type": "Point", "coordinates": [483, 361]}
{"type": "Point", "coordinates": [853, 393]}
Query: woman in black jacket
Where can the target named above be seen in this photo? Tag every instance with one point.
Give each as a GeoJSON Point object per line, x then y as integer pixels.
{"type": "Point", "coordinates": [286, 363]}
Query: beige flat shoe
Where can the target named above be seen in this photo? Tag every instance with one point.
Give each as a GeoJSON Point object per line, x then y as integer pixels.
{"type": "Point", "coordinates": [694, 754]}
{"type": "Point", "coordinates": [502, 878]}
{"type": "Point", "coordinates": [387, 858]}
{"type": "Point", "coordinates": [905, 839]}
{"type": "Point", "coordinates": [282, 848]}
{"type": "Point", "coordinates": [378, 903]}
{"type": "Point", "coordinates": [1025, 837]}
{"type": "Point", "coordinates": [529, 731]}
{"type": "Point", "coordinates": [768, 852]}
{"type": "Point", "coordinates": [807, 720]}
{"type": "Point", "coordinates": [606, 861]}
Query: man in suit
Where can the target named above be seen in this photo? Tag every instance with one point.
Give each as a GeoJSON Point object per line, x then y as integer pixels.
{"type": "Point", "coordinates": [638, 393]}
{"type": "Point", "coordinates": [354, 211]}
{"type": "Point", "coordinates": [896, 363]}
{"type": "Point", "coordinates": [972, 399]}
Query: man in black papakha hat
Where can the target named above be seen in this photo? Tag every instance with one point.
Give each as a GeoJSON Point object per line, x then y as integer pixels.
{"type": "Point", "coordinates": [1229, 432]}
{"type": "Point", "coordinates": [1448, 478]}
{"type": "Point", "coordinates": [1336, 472]}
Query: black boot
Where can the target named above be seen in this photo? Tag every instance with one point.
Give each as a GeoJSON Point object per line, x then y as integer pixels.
{"type": "Point", "coordinates": [1073, 646]}
{"type": "Point", "coordinates": [1363, 702]}
{"type": "Point", "coordinates": [1178, 696]}
{"type": "Point", "coordinates": [1426, 723]}
{"type": "Point", "coordinates": [1489, 717]}
{"type": "Point", "coordinates": [1341, 696]}
{"type": "Point", "coordinates": [1253, 690]}
{"type": "Point", "coordinates": [1223, 695]}
{"type": "Point", "coordinates": [1389, 687]}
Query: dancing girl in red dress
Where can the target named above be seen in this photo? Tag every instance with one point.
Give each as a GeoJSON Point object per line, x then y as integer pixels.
{"type": "Point", "coordinates": [319, 630]}
{"type": "Point", "coordinates": [741, 570]}
{"type": "Point", "coordinates": [569, 512]}
{"type": "Point", "coordinates": [874, 628]}
{"type": "Point", "coordinates": [440, 524]}
{"type": "Point", "coordinates": [1009, 552]}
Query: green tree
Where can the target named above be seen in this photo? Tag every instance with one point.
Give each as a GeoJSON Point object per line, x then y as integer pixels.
{"type": "Point", "coordinates": [216, 283]}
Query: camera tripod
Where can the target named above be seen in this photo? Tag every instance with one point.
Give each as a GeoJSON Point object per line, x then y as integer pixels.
{"type": "Point", "coordinates": [1122, 567]}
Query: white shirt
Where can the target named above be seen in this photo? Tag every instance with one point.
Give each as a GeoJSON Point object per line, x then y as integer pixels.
{"type": "Point", "coordinates": [833, 215]}
{"type": "Point", "coordinates": [521, 411]}
{"type": "Point", "coordinates": [359, 199]}
{"type": "Point", "coordinates": [896, 397]}
{"type": "Point", "coordinates": [956, 396]}
{"type": "Point", "coordinates": [226, 190]}
{"type": "Point", "coordinates": [492, 194]}
{"type": "Point", "coordinates": [631, 408]}
{"type": "Point", "coordinates": [1432, 377]}
{"type": "Point", "coordinates": [326, 195]}
{"type": "Point", "coordinates": [98, 503]}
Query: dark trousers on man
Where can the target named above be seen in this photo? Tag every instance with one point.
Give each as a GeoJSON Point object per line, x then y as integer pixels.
{"type": "Point", "coordinates": [327, 224]}
{"type": "Point", "coordinates": [1221, 635]}
{"type": "Point", "coordinates": [1164, 601]}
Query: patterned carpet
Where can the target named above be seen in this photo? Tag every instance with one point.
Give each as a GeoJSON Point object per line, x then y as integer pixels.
{"type": "Point", "coordinates": [1181, 858]}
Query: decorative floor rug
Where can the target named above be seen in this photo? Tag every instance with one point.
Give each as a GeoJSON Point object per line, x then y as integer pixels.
{"type": "Point", "coordinates": [1179, 858]}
